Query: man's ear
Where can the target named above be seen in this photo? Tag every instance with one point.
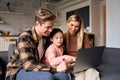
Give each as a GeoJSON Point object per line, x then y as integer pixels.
{"type": "Point", "coordinates": [37, 23]}
{"type": "Point", "coordinates": [51, 39]}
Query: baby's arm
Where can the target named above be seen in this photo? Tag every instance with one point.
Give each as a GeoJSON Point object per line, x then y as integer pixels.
{"type": "Point", "coordinates": [51, 57]}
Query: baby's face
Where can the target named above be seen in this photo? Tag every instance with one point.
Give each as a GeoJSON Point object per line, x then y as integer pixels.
{"type": "Point", "coordinates": [57, 39]}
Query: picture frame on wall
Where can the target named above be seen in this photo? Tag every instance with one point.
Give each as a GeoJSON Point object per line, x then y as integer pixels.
{"type": "Point", "coordinates": [83, 13]}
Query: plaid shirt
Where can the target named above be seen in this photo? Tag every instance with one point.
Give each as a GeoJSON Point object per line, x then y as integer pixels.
{"type": "Point", "coordinates": [26, 55]}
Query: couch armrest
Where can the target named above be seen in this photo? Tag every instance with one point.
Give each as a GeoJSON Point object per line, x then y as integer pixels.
{"type": "Point", "coordinates": [10, 50]}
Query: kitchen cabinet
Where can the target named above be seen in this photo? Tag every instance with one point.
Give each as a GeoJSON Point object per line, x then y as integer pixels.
{"type": "Point", "coordinates": [5, 41]}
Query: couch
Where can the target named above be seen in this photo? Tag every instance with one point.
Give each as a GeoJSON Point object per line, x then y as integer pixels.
{"type": "Point", "coordinates": [109, 67]}
{"type": "Point", "coordinates": [3, 62]}
{"type": "Point", "coordinates": [4, 58]}
{"type": "Point", "coordinates": [110, 64]}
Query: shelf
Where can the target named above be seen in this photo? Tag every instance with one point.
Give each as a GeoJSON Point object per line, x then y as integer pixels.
{"type": "Point", "coordinates": [7, 12]}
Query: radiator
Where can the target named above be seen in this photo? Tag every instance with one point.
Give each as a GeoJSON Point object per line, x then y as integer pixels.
{"type": "Point", "coordinates": [6, 41]}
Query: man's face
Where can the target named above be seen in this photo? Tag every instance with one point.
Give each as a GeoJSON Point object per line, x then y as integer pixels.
{"type": "Point", "coordinates": [45, 28]}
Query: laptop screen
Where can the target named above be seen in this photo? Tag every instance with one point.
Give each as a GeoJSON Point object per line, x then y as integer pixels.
{"type": "Point", "coordinates": [88, 58]}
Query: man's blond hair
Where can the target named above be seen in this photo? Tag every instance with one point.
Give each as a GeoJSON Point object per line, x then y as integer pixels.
{"type": "Point", "coordinates": [43, 15]}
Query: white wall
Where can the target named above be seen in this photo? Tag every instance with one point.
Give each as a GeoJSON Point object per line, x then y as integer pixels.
{"type": "Point", "coordinates": [113, 23]}
{"type": "Point", "coordinates": [64, 9]}
{"type": "Point", "coordinates": [16, 23]}
{"type": "Point", "coordinates": [95, 16]}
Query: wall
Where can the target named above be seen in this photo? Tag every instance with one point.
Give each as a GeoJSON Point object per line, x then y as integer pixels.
{"type": "Point", "coordinates": [63, 9]}
{"type": "Point", "coordinates": [95, 16]}
{"type": "Point", "coordinates": [113, 23]}
{"type": "Point", "coordinates": [16, 23]}
{"type": "Point", "coordinates": [95, 20]}
{"type": "Point", "coordinates": [103, 23]}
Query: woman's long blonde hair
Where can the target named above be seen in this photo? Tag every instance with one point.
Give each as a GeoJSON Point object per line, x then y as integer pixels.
{"type": "Point", "coordinates": [80, 33]}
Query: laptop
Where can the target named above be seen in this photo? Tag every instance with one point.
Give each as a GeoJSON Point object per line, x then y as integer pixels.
{"type": "Point", "coordinates": [88, 58]}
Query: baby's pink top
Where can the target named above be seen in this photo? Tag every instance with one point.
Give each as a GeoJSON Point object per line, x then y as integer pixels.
{"type": "Point", "coordinates": [53, 55]}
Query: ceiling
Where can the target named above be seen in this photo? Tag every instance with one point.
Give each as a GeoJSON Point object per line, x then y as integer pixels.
{"type": "Point", "coordinates": [54, 1]}
{"type": "Point", "coordinates": [16, 3]}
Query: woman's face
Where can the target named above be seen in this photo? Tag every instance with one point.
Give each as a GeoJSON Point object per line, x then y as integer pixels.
{"type": "Point", "coordinates": [73, 27]}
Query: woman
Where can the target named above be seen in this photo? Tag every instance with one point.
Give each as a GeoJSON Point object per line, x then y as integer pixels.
{"type": "Point", "coordinates": [75, 36]}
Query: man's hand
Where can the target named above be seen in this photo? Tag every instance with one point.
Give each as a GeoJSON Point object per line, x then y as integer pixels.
{"type": "Point", "coordinates": [62, 67]}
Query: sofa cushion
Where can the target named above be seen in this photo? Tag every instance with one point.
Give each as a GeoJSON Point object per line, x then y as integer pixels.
{"type": "Point", "coordinates": [108, 68]}
{"type": "Point", "coordinates": [111, 56]}
{"type": "Point", "coordinates": [109, 72]}
{"type": "Point", "coordinates": [110, 75]}
{"type": "Point", "coordinates": [2, 69]}
{"type": "Point", "coordinates": [10, 50]}
{"type": "Point", "coordinates": [4, 56]}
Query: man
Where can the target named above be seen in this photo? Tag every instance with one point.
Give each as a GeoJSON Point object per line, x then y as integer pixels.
{"type": "Point", "coordinates": [26, 62]}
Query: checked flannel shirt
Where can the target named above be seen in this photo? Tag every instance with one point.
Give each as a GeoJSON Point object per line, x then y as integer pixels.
{"type": "Point", "coordinates": [26, 55]}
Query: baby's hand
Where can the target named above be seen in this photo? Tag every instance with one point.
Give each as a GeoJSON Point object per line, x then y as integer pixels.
{"type": "Point", "coordinates": [73, 59]}
{"type": "Point", "coordinates": [69, 58]}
